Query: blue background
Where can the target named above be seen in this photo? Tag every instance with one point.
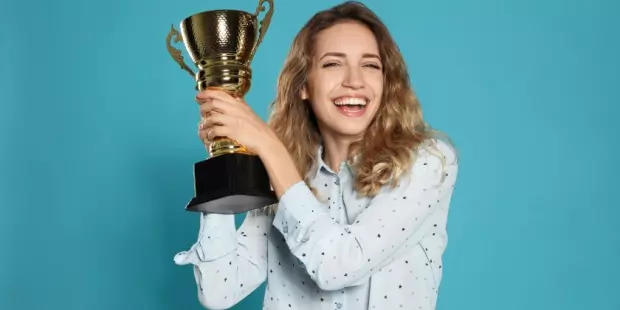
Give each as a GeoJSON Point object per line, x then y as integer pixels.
{"type": "Point", "coordinates": [98, 139]}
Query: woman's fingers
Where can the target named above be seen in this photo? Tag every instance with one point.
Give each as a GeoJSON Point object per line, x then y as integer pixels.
{"type": "Point", "coordinates": [216, 119]}
{"type": "Point", "coordinates": [215, 94]}
{"type": "Point", "coordinates": [211, 126]}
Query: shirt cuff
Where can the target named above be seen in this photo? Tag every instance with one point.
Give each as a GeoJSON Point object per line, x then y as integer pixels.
{"type": "Point", "coordinates": [216, 238]}
{"type": "Point", "coordinates": [297, 210]}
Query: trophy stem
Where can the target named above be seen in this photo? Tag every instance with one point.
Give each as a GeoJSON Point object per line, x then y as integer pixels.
{"type": "Point", "coordinates": [234, 82]}
{"type": "Point", "coordinates": [222, 145]}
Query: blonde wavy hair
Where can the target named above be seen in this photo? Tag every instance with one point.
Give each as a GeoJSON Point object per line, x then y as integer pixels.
{"type": "Point", "coordinates": [398, 129]}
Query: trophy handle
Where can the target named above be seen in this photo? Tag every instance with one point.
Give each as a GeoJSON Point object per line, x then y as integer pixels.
{"type": "Point", "coordinates": [175, 37]}
{"type": "Point", "coordinates": [264, 24]}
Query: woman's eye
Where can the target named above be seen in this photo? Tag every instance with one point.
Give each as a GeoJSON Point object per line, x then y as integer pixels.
{"type": "Point", "coordinates": [374, 66]}
{"type": "Point", "coordinates": [329, 64]}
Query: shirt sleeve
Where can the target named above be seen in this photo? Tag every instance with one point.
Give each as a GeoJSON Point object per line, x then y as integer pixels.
{"type": "Point", "coordinates": [341, 255]}
{"type": "Point", "coordinates": [228, 264]}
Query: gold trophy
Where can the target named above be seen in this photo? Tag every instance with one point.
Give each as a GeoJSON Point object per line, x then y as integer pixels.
{"type": "Point", "coordinates": [222, 43]}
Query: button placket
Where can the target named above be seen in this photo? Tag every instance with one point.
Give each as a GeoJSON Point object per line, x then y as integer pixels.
{"type": "Point", "coordinates": [285, 227]}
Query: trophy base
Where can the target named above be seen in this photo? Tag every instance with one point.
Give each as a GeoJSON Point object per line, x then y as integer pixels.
{"type": "Point", "coordinates": [231, 184]}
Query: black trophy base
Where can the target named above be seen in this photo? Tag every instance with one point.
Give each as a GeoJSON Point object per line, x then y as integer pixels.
{"type": "Point", "coordinates": [231, 184]}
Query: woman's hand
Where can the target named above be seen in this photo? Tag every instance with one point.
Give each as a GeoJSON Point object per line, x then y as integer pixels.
{"type": "Point", "coordinates": [226, 116]}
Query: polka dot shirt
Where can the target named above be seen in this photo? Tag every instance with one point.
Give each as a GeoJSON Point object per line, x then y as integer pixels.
{"type": "Point", "coordinates": [334, 251]}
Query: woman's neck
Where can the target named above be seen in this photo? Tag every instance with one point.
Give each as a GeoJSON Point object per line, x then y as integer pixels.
{"type": "Point", "coordinates": [336, 150]}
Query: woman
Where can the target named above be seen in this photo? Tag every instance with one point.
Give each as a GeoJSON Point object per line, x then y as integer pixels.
{"type": "Point", "coordinates": [363, 184]}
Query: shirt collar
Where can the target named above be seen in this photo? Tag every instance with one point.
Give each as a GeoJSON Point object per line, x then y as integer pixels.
{"type": "Point", "coordinates": [320, 165]}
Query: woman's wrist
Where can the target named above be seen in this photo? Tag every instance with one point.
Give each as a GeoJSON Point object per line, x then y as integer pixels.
{"type": "Point", "coordinates": [278, 163]}
{"type": "Point", "coordinates": [268, 140]}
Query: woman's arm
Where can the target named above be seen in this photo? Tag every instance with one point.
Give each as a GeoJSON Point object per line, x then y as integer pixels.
{"type": "Point", "coordinates": [337, 255]}
{"type": "Point", "coordinates": [229, 264]}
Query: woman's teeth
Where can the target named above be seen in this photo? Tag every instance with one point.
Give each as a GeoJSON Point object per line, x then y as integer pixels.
{"type": "Point", "coordinates": [351, 106]}
{"type": "Point", "coordinates": [350, 102]}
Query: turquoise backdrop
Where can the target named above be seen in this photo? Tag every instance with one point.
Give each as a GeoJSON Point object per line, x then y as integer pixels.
{"type": "Point", "coordinates": [98, 139]}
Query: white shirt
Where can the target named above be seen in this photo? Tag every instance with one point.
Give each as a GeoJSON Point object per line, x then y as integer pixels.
{"type": "Point", "coordinates": [337, 251]}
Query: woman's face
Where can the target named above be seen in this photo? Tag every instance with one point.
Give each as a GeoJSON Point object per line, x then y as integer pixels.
{"type": "Point", "coordinates": [345, 82]}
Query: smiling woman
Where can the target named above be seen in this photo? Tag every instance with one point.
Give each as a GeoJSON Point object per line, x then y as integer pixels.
{"type": "Point", "coordinates": [346, 72]}
{"type": "Point", "coordinates": [364, 185]}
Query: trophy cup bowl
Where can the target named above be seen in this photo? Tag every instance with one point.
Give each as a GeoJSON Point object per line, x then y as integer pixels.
{"type": "Point", "coordinates": [222, 44]}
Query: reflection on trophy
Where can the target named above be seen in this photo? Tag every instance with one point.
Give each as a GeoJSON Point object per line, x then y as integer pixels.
{"type": "Point", "coordinates": [222, 43]}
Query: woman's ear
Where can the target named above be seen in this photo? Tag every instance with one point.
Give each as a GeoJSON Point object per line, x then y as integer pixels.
{"type": "Point", "coordinates": [304, 93]}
